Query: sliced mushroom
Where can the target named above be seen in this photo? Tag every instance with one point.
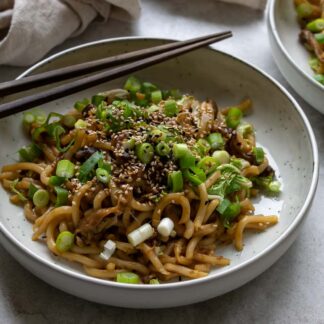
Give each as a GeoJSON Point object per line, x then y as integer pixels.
{"type": "Point", "coordinates": [84, 153]}
{"type": "Point", "coordinates": [234, 147]}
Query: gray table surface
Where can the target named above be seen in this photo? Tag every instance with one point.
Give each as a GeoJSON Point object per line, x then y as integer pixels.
{"type": "Point", "coordinates": [291, 291]}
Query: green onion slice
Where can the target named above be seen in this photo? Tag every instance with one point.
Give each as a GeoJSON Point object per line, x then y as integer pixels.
{"type": "Point", "coordinates": [162, 149]}
{"type": "Point", "coordinates": [61, 196]}
{"type": "Point", "coordinates": [209, 164]}
{"type": "Point", "coordinates": [234, 117]}
{"type": "Point", "coordinates": [128, 277]}
{"type": "Point", "coordinates": [103, 175]}
{"type": "Point", "coordinates": [195, 175]}
{"type": "Point", "coordinates": [65, 169]}
{"type": "Point", "coordinates": [145, 152]}
{"type": "Point", "coordinates": [64, 241]}
{"type": "Point", "coordinates": [16, 191]}
{"type": "Point", "coordinates": [175, 181]}
{"type": "Point", "coordinates": [30, 152]}
{"type": "Point", "coordinates": [41, 198]}
{"type": "Point", "coordinates": [259, 154]}
{"type": "Point", "coordinates": [89, 165]}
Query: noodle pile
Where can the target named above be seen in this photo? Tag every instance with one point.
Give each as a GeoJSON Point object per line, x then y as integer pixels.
{"type": "Point", "coordinates": [134, 157]}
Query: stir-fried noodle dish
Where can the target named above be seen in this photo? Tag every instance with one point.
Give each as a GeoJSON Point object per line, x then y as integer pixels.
{"type": "Point", "coordinates": [311, 19]}
{"type": "Point", "coordinates": [140, 185]}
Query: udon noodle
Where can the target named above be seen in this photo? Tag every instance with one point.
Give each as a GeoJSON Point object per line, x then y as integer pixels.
{"type": "Point", "coordinates": [141, 185]}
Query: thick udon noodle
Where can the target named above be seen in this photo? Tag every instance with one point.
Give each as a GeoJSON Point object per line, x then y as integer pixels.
{"type": "Point", "coordinates": [190, 252]}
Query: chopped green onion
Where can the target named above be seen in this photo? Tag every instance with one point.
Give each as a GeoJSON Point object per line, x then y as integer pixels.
{"type": "Point", "coordinates": [316, 26]}
{"type": "Point", "coordinates": [314, 63]}
{"type": "Point", "coordinates": [195, 175]}
{"type": "Point", "coordinates": [240, 163]}
{"type": "Point", "coordinates": [16, 191]}
{"type": "Point", "coordinates": [88, 166]}
{"type": "Point", "coordinates": [244, 129]}
{"type": "Point", "coordinates": [97, 100]}
{"type": "Point", "coordinates": [156, 96]}
{"type": "Point", "coordinates": [259, 154]}
{"type": "Point", "coordinates": [274, 187]}
{"type": "Point", "coordinates": [320, 38]}
{"type": "Point", "coordinates": [51, 115]}
{"type": "Point", "coordinates": [145, 152]}
{"type": "Point", "coordinates": [64, 241]}
{"type": "Point", "coordinates": [215, 141]}
{"type": "Point", "coordinates": [56, 181]}
{"type": "Point", "coordinates": [162, 149]}
{"type": "Point", "coordinates": [61, 196]}
{"type": "Point", "coordinates": [80, 105]}
{"type": "Point", "coordinates": [68, 121]}
{"type": "Point", "coordinates": [28, 118]}
{"type": "Point", "coordinates": [225, 203]}
{"type": "Point", "coordinates": [65, 169]}
{"type": "Point", "coordinates": [30, 153]}
{"type": "Point", "coordinates": [38, 132]}
{"type": "Point", "coordinates": [234, 117]}
{"type": "Point", "coordinates": [129, 144]}
{"type": "Point", "coordinates": [80, 123]}
{"type": "Point", "coordinates": [31, 191]}
{"type": "Point", "coordinates": [175, 181]}
{"type": "Point", "coordinates": [304, 10]}
{"type": "Point", "coordinates": [319, 78]}
{"type": "Point", "coordinates": [170, 108]}
{"type": "Point", "coordinates": [132, 84]}
{"type": "Point", "coordinates": [222, 156]}
{"type": "Point", "coordinates": [128, 277]}
{"type": "Point", "coordinates": [209, 164]}
{"type": "Point", "coordinates": [41, 198]}
{"type": "Point", "coordinates": [154, 281]}
{"type": "Point", "coordinates": [180, 150]}
{"type": "Point", "coordinates": [104, 165]}
{"type": "Point", "coordinates": [157, 135]}
{"type": "Point", "coordinates": [202, 147]}
{"type": "Point", "coordinates": [103, 175]}
{"type": "Point", "coordinates": [187, 161]}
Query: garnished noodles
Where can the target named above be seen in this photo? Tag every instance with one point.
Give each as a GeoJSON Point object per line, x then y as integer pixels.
{"type": "Point", "coordinates": [141, 186]}
{"type": "Point", "coordinates": [311, 19]}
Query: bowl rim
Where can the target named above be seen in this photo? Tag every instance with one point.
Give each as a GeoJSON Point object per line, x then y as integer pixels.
{"type": "Point", "coordinates": [183, 284]}
{"type": "Point", "coordinates": [273, 29]}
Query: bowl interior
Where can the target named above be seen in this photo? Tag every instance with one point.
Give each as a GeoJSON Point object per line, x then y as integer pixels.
{"type": "Point", "coordinates": [288, 32]}
{"type": "Point", "coordinates": [206, 74]}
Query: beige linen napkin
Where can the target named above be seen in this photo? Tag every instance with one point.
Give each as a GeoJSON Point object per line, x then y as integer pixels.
{"type": "Point", "coordinates": [33, 27]}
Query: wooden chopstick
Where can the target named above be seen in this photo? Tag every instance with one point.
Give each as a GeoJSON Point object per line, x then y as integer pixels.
{"type": "Point", "coordinates": [92, 80]}
{"type": "Point", "coordinates": [31, 82]}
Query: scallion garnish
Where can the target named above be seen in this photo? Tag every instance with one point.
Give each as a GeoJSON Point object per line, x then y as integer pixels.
{"type": "Point", "coordinates": [30, 152]}
{"type": "Point", "coordinates": [103, 175]}
{"type": "Point", "coordinates": [175, 181]}
{"type": "Point", "coordinates": [65, 169]}
{"type": "Point", "coordinates": [145, 152]}
{"type": "Point", "coordinates": [128, 277]}
{"type": "Point", "coordinates": [61, 196]}
{"type": "Point", "coordinates": [64, 241]}
{"type": "Point", "coordinates": [41, 198]}
{"type": "Point", "coordinates": [234, 117]}
{"type": "Point", "coordinates": [89, 165]}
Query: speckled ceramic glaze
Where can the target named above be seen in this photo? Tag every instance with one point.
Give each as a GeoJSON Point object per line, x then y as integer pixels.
{"type": "Point", "coordinates": [282, 129]}
{"type": "Point", "coordinates": [290, 55]}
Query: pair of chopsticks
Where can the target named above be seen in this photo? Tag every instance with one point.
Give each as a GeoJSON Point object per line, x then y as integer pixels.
{"type": "Point", "coordinates": [126, 63]}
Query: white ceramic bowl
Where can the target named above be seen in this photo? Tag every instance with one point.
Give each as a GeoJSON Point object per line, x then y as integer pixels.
{"type": "Point", "coordinates": [281, 126]}
{"type": "Point", "coordinates": [290, 55]}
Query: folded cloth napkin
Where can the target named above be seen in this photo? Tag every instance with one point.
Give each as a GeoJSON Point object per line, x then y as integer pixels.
{"type": "Point", "coordinates": [30, 28]}
{"type": "Point", "coordinates": [255, 4]}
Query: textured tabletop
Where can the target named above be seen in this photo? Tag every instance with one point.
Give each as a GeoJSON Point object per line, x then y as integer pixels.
{"type": "Point", "coordinates": [291, 291]}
